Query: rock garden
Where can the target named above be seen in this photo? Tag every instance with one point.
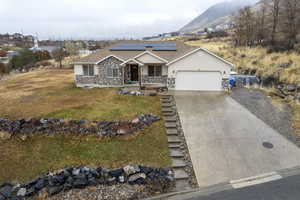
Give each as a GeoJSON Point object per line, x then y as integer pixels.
{"type": "Point", "coordinates": [153, 180]}
{"type": "Point", "coordinates": [29, 126]}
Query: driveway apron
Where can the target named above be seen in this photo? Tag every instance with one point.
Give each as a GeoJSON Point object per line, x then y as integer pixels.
{"type": "Point", "coordinates": [225, 140]}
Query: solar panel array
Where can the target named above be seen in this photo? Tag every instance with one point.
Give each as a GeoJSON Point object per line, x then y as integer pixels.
{"type": "Point", "coordinates": [143, 46]}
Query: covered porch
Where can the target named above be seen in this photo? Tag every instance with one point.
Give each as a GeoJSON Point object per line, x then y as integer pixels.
{"type": "Point", "coordinates": [149, 75]}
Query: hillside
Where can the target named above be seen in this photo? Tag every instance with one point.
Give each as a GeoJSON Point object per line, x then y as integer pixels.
{"type": "Point", "coordinates": [282, 65]}
{"type": "Point", "coordinates": [217, 15]}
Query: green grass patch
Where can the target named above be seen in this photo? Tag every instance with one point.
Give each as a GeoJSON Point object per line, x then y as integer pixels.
{"type": "Point", "coordinates": [32, 96]}
{"type": "Point", "coordinates": [24, 160]}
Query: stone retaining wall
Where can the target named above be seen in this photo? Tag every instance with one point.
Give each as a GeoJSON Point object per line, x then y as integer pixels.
{"type": "Point", "coordinates": [81, 177]}
{"type": "Point", "coordinates": [158, 79]}
{"type": "Point", "coordinates": [56, 126]}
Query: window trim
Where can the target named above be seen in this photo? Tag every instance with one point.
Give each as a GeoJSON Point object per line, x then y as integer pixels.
{"type": "Point", "coordinates": [88, 67]}
{"type": "Point", "coordinates": [155, 70]}
{"type": "Point", "coordinates": [112, 72]}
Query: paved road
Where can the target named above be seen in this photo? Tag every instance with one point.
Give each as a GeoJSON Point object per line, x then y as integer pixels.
{"type": "Point", "coordinates": [225, 139]}
{"type": "Point", "coordinates": [284, 189]}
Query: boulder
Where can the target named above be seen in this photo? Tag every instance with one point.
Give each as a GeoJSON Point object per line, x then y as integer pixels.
{"type": "Point", "coordinates": [131, 169]}
{"type": "Point", "coordinates": [21, 192]}
{"type": "Point", "coordinates": [290, 88]}
{"type": "Point", "coordinates": [6, 191]}
{"type": "Point", "coordinates": [55, 190]}
{"type": "Point", "coordinates": [146, 170]}
{"type": "Point", "coordinates": [116, 173]}
{"type": "Point", "coordinates": [121, 131]}
{"type": "Point", "coordinates": [80, 181]}
{"type": "Point", "coordinates": [135, 121]}
{"type": "Point", "coordinates": [137, 179]}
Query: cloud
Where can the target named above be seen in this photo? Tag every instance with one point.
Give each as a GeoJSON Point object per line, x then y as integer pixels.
{"type": "Point", "coordinates": [97, 18]}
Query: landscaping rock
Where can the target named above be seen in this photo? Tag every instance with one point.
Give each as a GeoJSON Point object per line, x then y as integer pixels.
{"type": "Point", "coordinates": [130, 169]}
{"type": "Point", "coordinates": [6, 191]}
{"type": "Point", "coordinates": [23, 127]}
{"type": "Point", "coordinates": [127, 92]}
{"type": "Point", "coordinates": [21, 192]}
{"type": "Point", "coordinates": [55, 190]}
{"type": "Point", "coordinates": [82, 177]}
{"type": "Point", "coordinates": [137, 179]}
{"type": "Point", "coordinates": [290, 88]}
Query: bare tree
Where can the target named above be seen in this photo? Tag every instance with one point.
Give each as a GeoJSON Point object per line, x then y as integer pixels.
{"type": "Point", "coordinates": [290, 13]}
{"type": "Point", "coordinates": [262, 22]}
{"type": "Point", "coordinates": [275, 10]}
{"type": "Point", "coordinates": [244, 24]}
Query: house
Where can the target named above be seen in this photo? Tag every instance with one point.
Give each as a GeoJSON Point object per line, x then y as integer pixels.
{"type": "Point", "coordinates": [163, 64]}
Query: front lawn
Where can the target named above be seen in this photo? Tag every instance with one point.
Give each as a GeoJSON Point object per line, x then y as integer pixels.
{"type": "Point", "coordinates": [51, 93]}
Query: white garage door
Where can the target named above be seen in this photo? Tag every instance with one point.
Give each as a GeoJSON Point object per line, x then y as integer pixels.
{"type": "Point", "coordinates": [201, 81]}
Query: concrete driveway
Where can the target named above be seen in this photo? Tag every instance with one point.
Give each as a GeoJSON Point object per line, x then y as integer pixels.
{"type": "Point", "coordinates": [225, 139]}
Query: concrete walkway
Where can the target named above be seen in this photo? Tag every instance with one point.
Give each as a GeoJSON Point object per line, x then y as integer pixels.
{"type": "Point", "coordinates": [225, 139]}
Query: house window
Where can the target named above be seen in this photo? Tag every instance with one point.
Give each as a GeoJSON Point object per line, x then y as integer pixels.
{"type": "Point", "coordinates": [88, 70]}
{"type": "Point", "coordinates": [154, 70]}
{"type": "Point", "coordinates": [113, 72]}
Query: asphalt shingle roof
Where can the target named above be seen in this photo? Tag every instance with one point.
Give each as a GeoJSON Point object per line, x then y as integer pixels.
{"type": "Point", "coordinates": [182, 49]}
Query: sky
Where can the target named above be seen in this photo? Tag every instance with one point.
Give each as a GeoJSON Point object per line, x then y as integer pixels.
{"type": "Point", "coordinates": [98, 19]}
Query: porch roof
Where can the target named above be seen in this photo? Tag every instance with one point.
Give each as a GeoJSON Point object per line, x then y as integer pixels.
{"type": "Point", "coordinates": [132, 61]}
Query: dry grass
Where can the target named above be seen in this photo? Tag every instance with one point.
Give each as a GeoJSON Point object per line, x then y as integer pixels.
{"type": "Point", "coordinates": [51, 93]}
{"type": "Point", "coordinates": [297, 119]}
{"type": "Point", "coordinates": [256, 58]}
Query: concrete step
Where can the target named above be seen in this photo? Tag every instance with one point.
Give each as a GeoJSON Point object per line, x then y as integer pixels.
{"type": "Point", "coordinates": [166, 101]}
{"type": "Point", "coordinates": [170, 119]}
{"type": "Point", "coordinates": [172, 131]}
{"type": "Point", "coordinates": [167, 105]}
{"type": "Point", "coordinates": [175, 146]}
{"type": "Point", "coordinates": [166, 98]}
{"type": "Point", "coordinates": [180, 174]}
{"type": "Point", "coordinates": [165, 110]}
{"type": "Point", "coordinates": [176, 153]}
{"type": "Point", "coordinates": [174, 139]}
{"type": "Point", "coordinates": [170, 125]}
{"type": "Point", "coordinates": [182, 185]}
{"type": "Point", "coordinates": [169, 114]}
{"type": "Point", "coordinates": [178, 163]}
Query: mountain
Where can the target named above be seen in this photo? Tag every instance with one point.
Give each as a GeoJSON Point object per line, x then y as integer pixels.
{"type": "Point", "coordinates": [217, 15]}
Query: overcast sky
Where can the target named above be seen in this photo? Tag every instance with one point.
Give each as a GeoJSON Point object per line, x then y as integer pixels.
{"type": "Point", "coordinates": [97, 19]}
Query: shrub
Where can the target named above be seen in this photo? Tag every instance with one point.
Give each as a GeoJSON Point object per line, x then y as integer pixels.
{"type": "Point", "coordinates": [26, 57]}
{"type": "Point", "coordinates": [43, 63]}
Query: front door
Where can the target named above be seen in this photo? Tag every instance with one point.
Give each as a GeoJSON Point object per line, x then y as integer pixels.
{"type": "Point", "coordinates": [134, 72]}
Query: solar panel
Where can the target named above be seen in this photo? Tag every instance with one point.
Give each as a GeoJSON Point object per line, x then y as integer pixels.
{"type": "Point", "coordinates": [143, 46]}
{"type": "Point", "coordinates": [128, 47]}
{"type": "Point", "coordinates": [170, 48]}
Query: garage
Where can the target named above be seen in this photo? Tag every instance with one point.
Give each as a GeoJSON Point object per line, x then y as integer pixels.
{"type": "Point", "coordinates": [198, 80]}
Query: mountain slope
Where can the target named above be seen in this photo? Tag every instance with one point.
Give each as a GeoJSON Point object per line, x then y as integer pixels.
{"type": "Point", "coordinates": [216, 15]}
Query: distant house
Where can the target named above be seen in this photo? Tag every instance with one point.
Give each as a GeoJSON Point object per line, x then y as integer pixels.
{"type": "Point", "coordinates": [36, 47]}
{"type": "Point", "coordinates": [4, 60]}
{"type": "Point", "coordinates": [164, 64]}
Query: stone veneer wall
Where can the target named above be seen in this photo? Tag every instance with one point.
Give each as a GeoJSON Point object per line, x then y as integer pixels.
{"type": "Point", "coordinates": [159, 79]}
{"type": "Point", "coordinates": [171, 83]}
{"type": "Point", "coordinates": [80, 79]}
{"type": "Point", "coordinates": [110, 81]}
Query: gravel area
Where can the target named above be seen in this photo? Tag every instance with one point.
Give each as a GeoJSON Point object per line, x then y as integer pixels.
{"type": "Point", "coordinates": [101, 192]}
{"type": "Point", "coordinates": [276, 114]}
